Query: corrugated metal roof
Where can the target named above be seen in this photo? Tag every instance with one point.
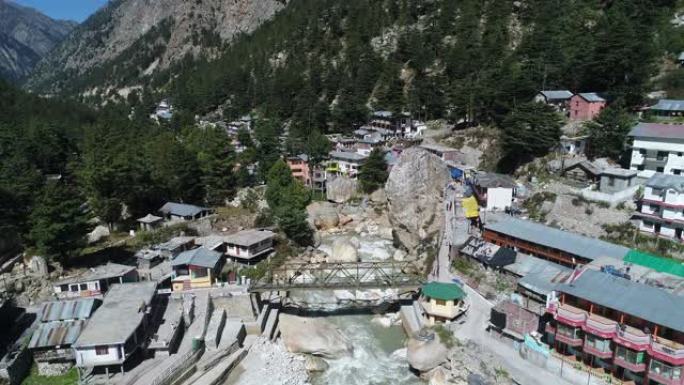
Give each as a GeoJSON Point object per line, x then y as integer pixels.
{"type": "Point", "coordinates": [198, 257]}
{"type": "Point", "coordinates": [557, 94]}
{"type": "Point", "coordinates": [658, 130]}
{"type": "Point", "coordinates": [347, 155]}
{"type": "Point", "coordinates": [249, 237]}
{"type": "Point", "coordinates": [637, 299]}
{"type": "Point", "coordinates": [591, 97]}
{"type": "Point", "coordinates": [61, 333]}
{"type": "Point", "coordinates": [669, 182]}
{"type": "Point", "coordinates": [79, 309]}
{"type": "Point", "coordinates": [585, 247]}
{"type": "Point", "coordinates": [669, 105]}
{"type": "Point", "coordinates": [181, 209]}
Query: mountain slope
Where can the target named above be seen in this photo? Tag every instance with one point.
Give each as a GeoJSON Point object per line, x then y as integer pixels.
{"type": "Point", "coordinates": [129, 40]}
{"type": "Point", "coordinates": [26, 36]}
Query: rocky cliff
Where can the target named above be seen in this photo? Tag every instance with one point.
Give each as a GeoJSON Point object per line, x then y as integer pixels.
{"type": "Point", "coordinates": [26, 36]}
{"type": "Point", "coordinates": [129, 40]}
{"type": "Point", "coordinates": [415, 192]}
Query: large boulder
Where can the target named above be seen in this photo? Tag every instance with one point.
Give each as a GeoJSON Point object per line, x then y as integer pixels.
{"type": "Point", "coordinates": [424, 356]}
{"type": "Point", "coordinates": [341, 189]}
{"type": "Point", "coordinates": [415, 191]}
{"type": "Point", "coordinates": [315, 336]}
{"type": "Point", "coordinates": [378, 196]}
{"type": "Point", "coordinates": [343, 250]}
{"type": "Point", "coordinates": [323, 215]}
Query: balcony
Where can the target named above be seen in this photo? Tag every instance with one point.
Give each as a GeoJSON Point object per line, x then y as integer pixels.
{"type": "Point", "coordinates": [632, 338]}
{"type": "Point", "coordinates": [571, 315]}
{"type": "Point", "coordinates": [569, 340]}
{"type": "Point", "coordinates": [632, 366]}
{"type": "Point", "coordinates": [550, 328]}
{"type": "Point", "coordinates": [603, 354]}
{"type": "Point", "coordinates": [600, 326]}
{"type": "Point", "coordinates": [661, 379]}
{"type": "Point", "coordinates": [667, 351]}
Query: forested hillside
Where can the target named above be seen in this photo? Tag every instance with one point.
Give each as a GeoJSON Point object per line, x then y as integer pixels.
{"type": "Point", "coordinates": [324, 63]}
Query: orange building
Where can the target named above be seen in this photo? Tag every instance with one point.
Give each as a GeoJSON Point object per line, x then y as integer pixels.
{"type": "Point", "coordinates": [299, 165]}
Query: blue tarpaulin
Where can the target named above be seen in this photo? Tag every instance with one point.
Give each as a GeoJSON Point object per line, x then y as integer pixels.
{"type": "Point", "coordinates": [456, 173]}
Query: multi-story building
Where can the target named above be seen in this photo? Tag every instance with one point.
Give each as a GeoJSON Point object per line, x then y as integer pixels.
{"type": "Point", "coordinates": [299, 165]}
{"type": "Point", "coordinates": [630, 329]}
{"type": "Point", "coordinates": [562, 247]}
{"type": "Point", "coordinates": [662, 206]}
{"type": "Point", "coordinates": [248, 246]}
{"type": "Point", "coordinates": [345, 163]}
{"type": "Point", "coordinates": [559, 99]}
{"type": "Point", "coordinates": [657, 147]}
{"type": "Point", "coordinates": [197, 268]}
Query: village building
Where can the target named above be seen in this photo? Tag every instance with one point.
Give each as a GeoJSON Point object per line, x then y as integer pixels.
{"type": "Point", "coordinates": [581, 173]}
{"type": "Point", "coordinates": [513, 320]}
{"type": "Point", "coordinates": [365, 146]}
{"type": "Point", "coordinates": [630, 329]}
{"type": "Point", "coordinates": [586, 106]}
{"type": "Point", "coordinates": [444, 153]}
{"type": "Point", "coordinates": [657, 147]}
{"type": "Point", "coordinates": [489, 254]}
{"type": "Point", "coordinates": [668, 108]}
{"type": "Point", "coordinates": [559, 99]}
{"type": "Point", "coordinates": [662, 206]}
{"type": "Point", "coordinates": [249, 246]}
{"type": "Point", "coordinates": [96, 282]}
{"type": "Point", "coordinates": [494, 191]}
{"type": "Point", "coordinates": [197, 268]}
{"type": "Point", "coordinates": [442, 302]}
{"type": "Point", "coordinates": [59, 325]}
{"type": "Point", "coordinates": [573, 140]}
{"type": "Point", "coordinates": [183, 211]}
{"type": "Point", "coordinates": [148, 258]}
{"type": "Point", "coordinates": [174, 246]}
{"type": "Point", "coordinates": [117, 330]}
{"type": "Point", "coordinates": [537, 280]}
{"type": "Point", "coordinates": [613, 180]}
{"type": "Point", "coordinates": [299, 166]}
{"type": "Point", "coordinates": [546, 242]}
{"type": "Point", "coordinates": [320, 179]}
{"type": "Point", "coordinates": [150, 222]}
{"type": "Point", "coordinates": [345, 163]}
{"type": "Point", "coordinates": [164, 110]}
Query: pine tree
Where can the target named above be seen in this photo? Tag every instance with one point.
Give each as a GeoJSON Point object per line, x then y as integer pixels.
{"type": "Point", "coordinates": [608, 133]}
{"type": "Point", "coordinates": [287, 198]}
{"type": "Point", "coordinates": [58, 222]}
{"type": "Point", "coordinates": [373, 173]}
{"type": "Point", "coordinates": [530, 130]}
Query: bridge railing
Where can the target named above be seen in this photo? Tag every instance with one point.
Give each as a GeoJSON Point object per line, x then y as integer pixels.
{"type": "Point", "coordinates": [347, 275]}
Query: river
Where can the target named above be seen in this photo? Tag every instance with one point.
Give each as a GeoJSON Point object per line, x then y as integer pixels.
{"type": "Point", "coordinates": [371, 363]}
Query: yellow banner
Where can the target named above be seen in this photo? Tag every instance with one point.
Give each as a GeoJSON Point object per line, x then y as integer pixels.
{"type": "Point", "coordinates": [472, 209]}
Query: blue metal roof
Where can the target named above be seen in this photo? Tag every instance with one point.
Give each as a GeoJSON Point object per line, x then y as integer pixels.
{"type": "Point", "coordinates": [592, 97]}
{"type": "Point", "coordinates": [669, 105]}
{"type": "Point", "coordinates": [181, 209]}
{"type": "Point", "coordinates": [556, 94]}
{"type": "Point", "coordinates": [198, 257]}
{"type": "Point", "coordinates": [571, 243]}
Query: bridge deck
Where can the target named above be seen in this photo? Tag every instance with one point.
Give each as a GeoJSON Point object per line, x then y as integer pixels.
{"type": "Point", "coordinates": [333, 276]}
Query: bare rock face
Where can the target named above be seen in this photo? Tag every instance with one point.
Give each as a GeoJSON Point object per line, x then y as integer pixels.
{"type": "Point", "coordinates": [313, 336]}
{"type": "Point", "coordinates": [323, 215]}
{"type": "Point", "coordinates": [343, 250]}
{"type": "Point", "coordinates": [341, 189]}
{"type": "Point", "coordinates": [424, 356]}
{"type": "Point", "coordinates": [415, 191]}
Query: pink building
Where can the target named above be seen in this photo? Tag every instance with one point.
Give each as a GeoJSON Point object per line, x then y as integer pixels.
{"type": "Point", "coordinates": [586, 106]}
{"type": "Point", "coordinates": [299, 165]}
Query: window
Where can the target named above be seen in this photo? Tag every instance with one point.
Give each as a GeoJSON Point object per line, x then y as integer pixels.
{"type": "Point", "coordinates": [660, 169]}
{"type": "Point", "coordinates": [569, 331]}
{"type": "Point", "coordinates": [641, 167]}
{"type": "Point", "coordinates": [84, 286]}
{"type": "Point", "coordinates": [63, 288]}
{"type": "Point", "coordinates": [661, 155]}
{"type": "Point", "coordinates": [642, 151]}
{"type": "Point", "coordinates": [440, 302]}
{"type": "Point", "coordinates": [611, 181]}
{"type": "Point", "coordinates": [101, 350]}
{"type": "Point", "coordinates": [679, 154]}
{"type": "Point", "coordinates": [629, 355]}
{"type": "Point", "coordinates": [74, 287]}
{"type": "Point", "coordinates": [665, 370]}
{"type": "Point", "coordinates": [677, 172]}
{"type": "Point", "coordinates": [654, 208]}
{"type": "Point", "coordinates": [600, 344]}
{"type": "Point", "coordinates": [656, 191]}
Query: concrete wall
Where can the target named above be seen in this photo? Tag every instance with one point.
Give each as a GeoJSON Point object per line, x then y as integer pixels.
{"type": "Point", "coordinates": [499, 198]}
{"type": "Point", "coordinates": [619, 184]}
{"type": "Point", "coordinates": [88, 356]}
{"type": "Point", "coordinates": [673, 148]}
{"type": "Point", "coordinates": [611, 199]}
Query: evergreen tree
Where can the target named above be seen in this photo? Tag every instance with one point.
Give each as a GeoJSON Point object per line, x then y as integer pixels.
{"type": "Point", "coordinates": [530, 130]}
{"type": "Point", "coordinates": [373, 172]}
{"type": "Point", "coordinates": [58, 222]}
{"type": "Point", "coordinates": [608, 133]}
{"type": "Point", "coordinates": [268, 150]}
{"type": "Point", "coordinates": [287, 198]}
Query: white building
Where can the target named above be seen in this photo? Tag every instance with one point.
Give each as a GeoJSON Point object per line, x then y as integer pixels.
{"type": "Point", "coordinates": [345, 163]}
{"type": "Point", "coordinates": [494, 191]}
{"type": "Point", "coordinates": [96, 281]}
{"type": "Point", "coordinates": [662, 206]}
{"type": "Point", "coordinates": [118, 328]}
{"type": "Point", "coordinates": [247, 245]}
{"type": "Point", "coordinates": [657, 148]}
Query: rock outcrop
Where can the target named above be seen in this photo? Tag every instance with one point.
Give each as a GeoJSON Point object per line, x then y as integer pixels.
{"type": "Point", "coordinates": [415, 191]}
{"type": "Point", "coordinates": [424, 356]}
{"type": "Point", "coordinates": [314, 336]}
{"type": "Point", "coordinates": [341, 189]}
{"type": "Point", "coordinates": [323, 215]}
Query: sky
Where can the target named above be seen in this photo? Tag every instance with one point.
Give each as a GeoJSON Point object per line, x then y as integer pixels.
{"type": "Point", "coordinates": [77, 10]}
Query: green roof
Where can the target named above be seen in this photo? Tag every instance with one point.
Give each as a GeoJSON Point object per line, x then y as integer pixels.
{"type": "Point", "coordinates": [443, 291]}
{"type": "Point", "coordinates": [661, 264]}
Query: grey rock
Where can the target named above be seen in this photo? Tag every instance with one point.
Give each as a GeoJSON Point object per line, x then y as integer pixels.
{"type": "Point", "coordinates": [343, 250]}
{"type": "Point", "coordinates": [323, 215]}
{"type": "Point", "coordinates": [315, 364]}
{"type": "Point", "coordinates": [341, 189]}
{"type": "Point", "coordinates": [315, 336]}
{"type": "Point", "coordinates": [424, 356]}
{"type": "Point", "coordinates": [415, 191]}
{"type": "Point", "coordinates": [378, 196]}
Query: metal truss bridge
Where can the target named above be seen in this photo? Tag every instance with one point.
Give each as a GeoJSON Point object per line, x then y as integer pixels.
{"type": "Point", "coordinates": [342, 276]}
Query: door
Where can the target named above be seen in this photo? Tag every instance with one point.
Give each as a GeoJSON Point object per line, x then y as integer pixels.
{"type": "Point", "coordinates": [678, 234]}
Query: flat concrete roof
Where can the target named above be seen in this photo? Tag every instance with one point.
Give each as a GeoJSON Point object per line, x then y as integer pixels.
{"type": "Point", "coordinates": [248, 237]}
{"type": "Point", "coordinates": [122, 311]}
{"type": "Point", "coordinates": [110, 270]}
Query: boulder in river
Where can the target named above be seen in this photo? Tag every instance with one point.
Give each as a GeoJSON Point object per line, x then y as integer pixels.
{"type": "Point", "coordinates": [343, 251]}
{"type": "Point", "coordinates": [424, 356]}
{"type": "Point", "coordinates": [315, 336]}
{"type": "Point", "coordinates": [315, 364]}
{"type": "Point", "coordinates": [323, 215]}
{"type": "Point", "coordinates": [415, 191]}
